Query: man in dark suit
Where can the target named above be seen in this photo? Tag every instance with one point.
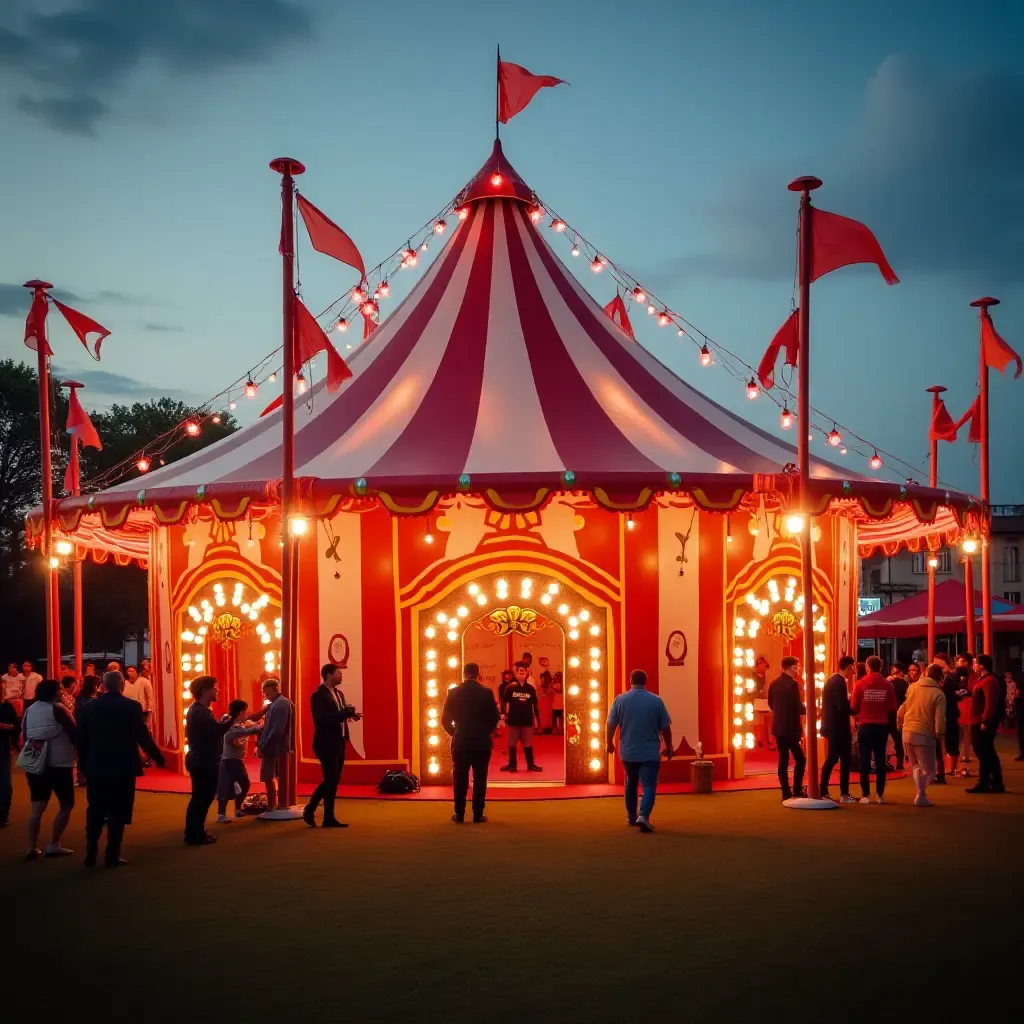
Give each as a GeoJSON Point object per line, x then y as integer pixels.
{"type": "Point", "coordinates": [331, 716]}
{"type": "Point", "coordinates": [469, 716]}
{"type": "Point", "coordinates": [111, 729]}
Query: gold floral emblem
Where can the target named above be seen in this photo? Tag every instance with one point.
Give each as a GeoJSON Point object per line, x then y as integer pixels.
{"type": "Point", "coordinates": [784, 624]}
{"type": "Point", "coordinates": [227, 630]}
{"type": "Point", "coordinates": [512, 619]}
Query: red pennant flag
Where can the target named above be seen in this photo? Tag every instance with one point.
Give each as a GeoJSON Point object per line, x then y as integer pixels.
{"type": "Point", "coordinates": [786, 337]}
{"type": "Point", "coordinates": [35, 324]}
{"type": "Point", "coordinates": [840, 242]}
{"type": "Point", "coordinates": [310, 339]}
{"type": "Point", "coordinates": [328, 238]}
{"type": "Point", "coordinates": [79, 425]}
{"type": "Point", "coordinates": [616, 311]}
{"type": "Point", "coordinates": [996, 352]}
{"type": "Point", "coordinates": [83, 326]}
{"type": "Point", "coordinates": [516, 87]}
{"type": "Point", "coordinates": [275, 404]}
{"type": "Point", "coordinates": [369, 326]}
{"type": "Point", "coordinates": [974, 415]}
{"type": "Point", "coordinates": [942, 428]}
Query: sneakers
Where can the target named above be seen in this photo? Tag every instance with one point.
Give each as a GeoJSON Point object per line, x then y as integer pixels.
{"type": "Point", "coordinates": [846, 798]}
{"type": "Point", "coordinates": [1019, 757]}
{"type": "Point", "coordinates": [922, 801]}
{"type": "Point", "coordinates": [56, 850]}
{"type": "Point", "coordinates": [241, 814]}
{"type": "Point", "coordinates": [223, 819]}
{"type": "Point", "coordinates": [864, 800]}
{"type": "Point", "coordinates": [33, 854]}
{"type": "Point", "coordinates": [879, 799]}
{"type": "Point", "coordinates": [643, 824]}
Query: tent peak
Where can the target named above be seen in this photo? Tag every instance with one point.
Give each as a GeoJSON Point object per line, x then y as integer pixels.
{"type": "Point", "coordinates": [497, 179]}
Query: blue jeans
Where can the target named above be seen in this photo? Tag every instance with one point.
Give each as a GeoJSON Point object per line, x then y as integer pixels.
{"type": "Point", "coordinates": [645, 775]}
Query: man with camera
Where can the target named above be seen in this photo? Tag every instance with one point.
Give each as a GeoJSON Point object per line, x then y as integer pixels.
{"type": "Point", "coordinates": [331, 716]}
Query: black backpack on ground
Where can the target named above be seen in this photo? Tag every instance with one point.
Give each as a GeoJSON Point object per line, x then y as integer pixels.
{"type": "Point", "coordinates": [398, 782]}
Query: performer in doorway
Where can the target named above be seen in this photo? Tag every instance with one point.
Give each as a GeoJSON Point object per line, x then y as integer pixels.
{"type": "Point", "coordinates": [521, 713]}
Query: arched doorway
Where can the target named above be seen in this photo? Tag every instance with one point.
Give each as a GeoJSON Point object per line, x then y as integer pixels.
{"type": "Point", "coordinates": [497, 615]}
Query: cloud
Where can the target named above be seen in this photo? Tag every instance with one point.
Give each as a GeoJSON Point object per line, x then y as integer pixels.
{"type": "Point", "coordinates": [68, 61]}
{"type": "Point", "coordinates": [14, 301]}
{"type": "Point", "coordinates": [162, 328]}
{"type": "Point", "coordinates": [113, 385]}
{"type": "Point", "coordinates": [930, 164]}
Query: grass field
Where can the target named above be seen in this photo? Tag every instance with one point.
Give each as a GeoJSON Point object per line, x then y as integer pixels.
{"type": "Point", "coordinates": [736, 910]}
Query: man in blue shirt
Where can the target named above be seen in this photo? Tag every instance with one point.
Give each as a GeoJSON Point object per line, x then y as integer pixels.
{"type": "Point", "coordinates": [643, 721]}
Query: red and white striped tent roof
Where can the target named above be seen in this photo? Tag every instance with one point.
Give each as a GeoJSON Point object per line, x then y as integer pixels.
{"type": "Point", "coordinates": [500, 375]}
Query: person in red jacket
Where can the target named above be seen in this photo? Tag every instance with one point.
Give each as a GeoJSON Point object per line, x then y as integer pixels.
{"type": "Point", "coordinates": [988, 705]}
{"type": "Point", "coordinates": [874, 699]}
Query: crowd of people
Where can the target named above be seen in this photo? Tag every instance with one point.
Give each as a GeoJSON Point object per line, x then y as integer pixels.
{"type": "Point", "coordinates": [933, 717]}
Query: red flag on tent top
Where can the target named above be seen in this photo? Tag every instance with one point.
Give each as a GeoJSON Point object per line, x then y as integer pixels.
{"type": "Point", "coordinates": [517, 86]}
{"type": "Point", "coordinates": [310, 339]}
{"type": "Point", "coordinates": [996, 352]}
{"type": "Point", "coordinates": [942, 427]}
{"type": "Point", "coordinates": [839, 242]}
{"type": "Point", "coordinates": [328, 238]}
{"type": "Point", "coordinates": [616, 312]}
{"type": "Point", "coordinates": [786, 337]}
{"type": "Point", "coordinates": [83, 326]}
{"type": "Point", "coordinates": [974, 415]}
{"type": "Point", "coordinates": [35, 324]}
{"type": "Point", "coordinates": [80, 424]}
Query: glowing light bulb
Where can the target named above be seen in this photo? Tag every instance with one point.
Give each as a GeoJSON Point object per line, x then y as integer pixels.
{"type": "Point", "coordinates": [474, 589]}
{"type": "Point", "coordinates": [250, 388]}
{"type": "Point", "coordinates": [481, 599]}
{"type": "Point", "coordinates": [536, 213]}
{"type": "Point", "coordinates": [63, 547]}
{"type": "Point", "coordinates": [452, 636]}
{"type": "Point", "coordinates": [342, 324]}
{"type": "Point", "coordinates": [584, 615]}
{"type": "Point", "coordinates": [192, 428]}
{"type": "Point", "coordinates": [835, 439]}
{"type": "Point", "coordinates": [271, 378]}
{"type": "Point", "coordinates": [563, 609]}
{"type": "Point", "coordinates": [970, 545]}
{"type": "Point", "coordinates": [595, 764]}
{"type": "Point", "coordinates": [705, 356]}
{"type": "Point", "coordinates": [664, 319]}
{"type": "Point", "coordinates": [933, 562]}
{"type": "Point", "coordinates": [300, 384]}
{"type": "Point", "coordinates": [298, 526]}
{"type": "Point", "coordinates": [496, 179]}
{"type": "Point", "coordinates": [428, 538]}
{"type": "Point", "coordinates": [424, 247]}
{"type": "Point", "coordinates": [752, 389]}
{"type": "Point", "coordinates": [596, 266]}
{"type": "Point", "coordinates": [574, 690]}
{"type": "Point", "coordinates": [574, 662]}
{"type": "Point", "coordinates": [453, 661]}
{"type": "Point", "coordinates": [232, 405]}
{"type": "Point", "coordinates": [638, 295]}
{"type": "Point", "coordinates": [430, 632]}
{"type": "Point", "coordinates": [545, 599]}
{"type": "Point", "coordinates": [794, 523]}
{"type": "Point", "coordinates": [143, 464]}
{"type": "Point", "coordinates": [384, 289]}
{"type": "Point", "coordinates": [440, 227]}
{"type": "Point", "coordinates": [216, 416]}
{"type": "Point", "coordinates": [558, 225]}
{"type": "Point", "coordinates": [786, 419]}
{"type": "Point", "coordinates": [442, 618]}
{"type": "Point", "coordinates": [462, 611]}
{"type": "Point", "coordinates": [875, 462]}
{"type": "Point", "coordinates": [575, 250]}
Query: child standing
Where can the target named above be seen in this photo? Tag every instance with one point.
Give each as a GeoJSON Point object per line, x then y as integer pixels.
{"type": "Point", "coordinates": [233, 782]}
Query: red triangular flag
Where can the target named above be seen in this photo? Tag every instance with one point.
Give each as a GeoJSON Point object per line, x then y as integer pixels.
{"type": "Point", "coordinates": [83, 325]}
{"type": "Point", "coordinates": [35, 324]}
{"type": "Point", "coordinates": [369, 326]}
{"type": "Point", "coordinates": [328, 238]}
{"type": "Point", "coordinates": [995, 351]}
{"type": "Point", "coordinates": [80, 424]}
{"type": "Point", "coordinates": [275, 404]}
{"type": "Point", "coordinates": [516, 87]}
{"type": "Point", "coordinates": [786, 337]}
{"type": "Point", "coordinates": [616, 310]}
{"type": "Point", "coordinates": [942, 428]}
{"type": "Point", "coordinates": [974, 415]}
{"type": "Point", "coordinates": [839, 241]}
{"type": "Point", "coordinates": [310, 339]}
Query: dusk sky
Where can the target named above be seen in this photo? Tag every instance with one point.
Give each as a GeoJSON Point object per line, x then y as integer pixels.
{"type": "Point", "coordinates": [137, 136]}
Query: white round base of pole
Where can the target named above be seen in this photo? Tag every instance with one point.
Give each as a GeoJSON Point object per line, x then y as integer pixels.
{"type": "Point", "coordinates": [281, 814]}
{"type": "Point", "coordinates": [807, 803]}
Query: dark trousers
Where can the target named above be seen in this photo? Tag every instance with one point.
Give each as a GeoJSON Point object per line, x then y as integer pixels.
{"type": "Point", "coordinates": [788, 745]}
{"type": "Point", "coordinates": [462, 762]}
{"type": "Point", "coordinates": [232, 771]}
{"type": "Point", "coordinates": [204, 789]}
{"type": "Point", "coordinates": [897, 741]}
{"type": "Point", "coordinates": [6, 785]}
{"type": "Point", "coordinates": [872, 740]}
{"type": "Point", "coordinates": [838, 753]}
{"type": "Point", "coordinates": [331, 764]}
{"type": "Point", "coordinates": [990, 770]}
{"type": "Point", "coordinates": [109, 803]}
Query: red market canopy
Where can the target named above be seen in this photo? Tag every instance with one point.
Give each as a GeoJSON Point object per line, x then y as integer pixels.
{"type": "Point", "coordinates": [909, 618]}
{"type": "Point", "coordinates": [499, 375]}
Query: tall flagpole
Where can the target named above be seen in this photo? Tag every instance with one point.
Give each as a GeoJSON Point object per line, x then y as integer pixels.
{"type": "Point", "coordinates": [970, 625]}
{"type": "Point", "coordinates": [288, 169]}
{"type": "Point", "coordinates": [46, 465]}
{"type": "Point", "coordinates": [933, 482]}
{"type": "Point", "coordinates": [497, 96]}
{"type": "Point", "coordinates": [986, 569]}
{"type": "Point", "coordinates": [805, 186]}
{"type": "Point", "coordinates": [76, 563]}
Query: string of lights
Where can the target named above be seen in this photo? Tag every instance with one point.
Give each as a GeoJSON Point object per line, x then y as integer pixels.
{"type": "Point", "coordinates": [710, 352]}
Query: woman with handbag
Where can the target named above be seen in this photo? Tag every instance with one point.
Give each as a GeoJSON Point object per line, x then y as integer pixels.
{"type": "Point", "coordinates": [48, 758]}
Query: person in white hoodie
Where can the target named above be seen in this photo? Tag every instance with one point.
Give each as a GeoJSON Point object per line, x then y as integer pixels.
{"type": "Point", "coordinates": [922, 719]}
